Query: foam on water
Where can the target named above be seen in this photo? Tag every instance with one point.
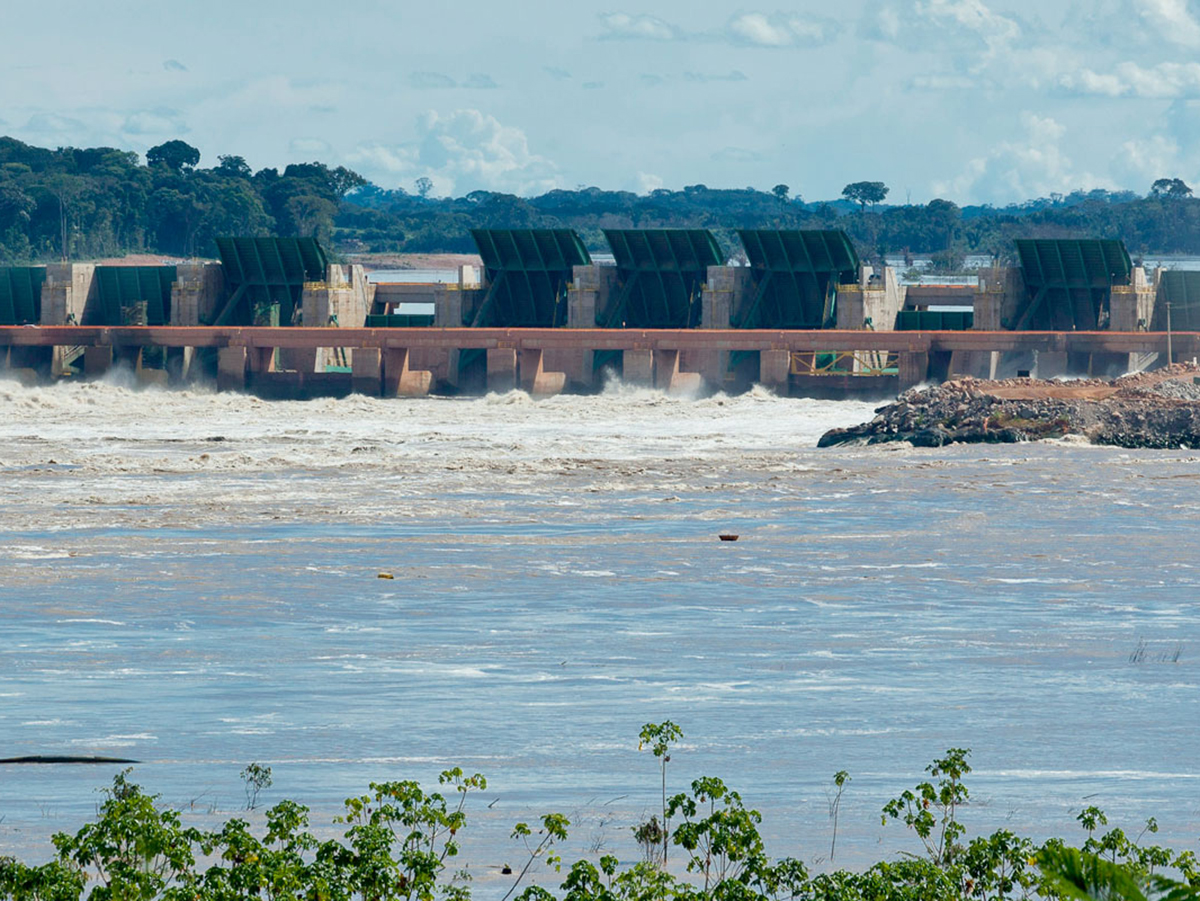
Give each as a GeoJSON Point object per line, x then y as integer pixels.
{"type": "Point", "coordinates": [191, 577]}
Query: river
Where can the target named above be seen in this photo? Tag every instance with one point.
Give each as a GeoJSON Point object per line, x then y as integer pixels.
{"type": "Point", "coordinates": [192, 580]}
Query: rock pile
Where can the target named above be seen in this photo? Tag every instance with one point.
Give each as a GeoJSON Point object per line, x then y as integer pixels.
{"type": "Point", "coordinates": [1147, 410]}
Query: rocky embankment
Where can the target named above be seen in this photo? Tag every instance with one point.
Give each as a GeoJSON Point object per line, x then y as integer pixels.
{"type": "Point", "coordinates": [1156, 409]}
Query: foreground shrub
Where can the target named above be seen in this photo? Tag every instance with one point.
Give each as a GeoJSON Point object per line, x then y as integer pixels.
{"type": "Point", "coordinates": [397, 843]}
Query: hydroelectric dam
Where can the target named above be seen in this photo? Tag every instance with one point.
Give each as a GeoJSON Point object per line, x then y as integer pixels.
{"type": "Point", "coordinates": [804, 317]}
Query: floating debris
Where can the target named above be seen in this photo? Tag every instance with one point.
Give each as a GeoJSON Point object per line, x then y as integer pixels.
{"type": "Point", "coordinates": [48, 758]}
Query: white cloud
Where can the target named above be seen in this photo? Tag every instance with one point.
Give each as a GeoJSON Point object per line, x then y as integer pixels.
{"type": "Point", "coordinates": [440, 81]}
{"type": "Point", "coordinates": [44, 123]}
{"type": "Point", "coordinates": [274, 95]}
{"type": "Point", "coordinates": [1035, 167]}
{"type": "Point", "coordinates": [1166, 80]}
{"type": "Point", "coordinates": [431, 81]}
{"type": "Point", "coordinates": [733, 75]}
{"type": "Point", "coordinates": [623, 25]}
{"type": "Point", "coordinates": [462, 151]}
{"type": "Point", "coordinates": [1141, 160]}
{"type": "Point", "coordinates": [995, 30]}
{"type": "Point", "coordinates": [779, 30]}
{"type": "Point", "coordinates": [155, 123]}
{"type": "Point", "coordinates": [737, 155]}
{"type": "Point", "coordinates": [942, 82]}
{"type": "Point", "coordinates": [317, 147]}
{"type": "Point", "coordinates": [647, 182]}
{"type": "Point", "coordinates": [1173, 20]}
{"type": "Point", "coordinates": [880, 22]}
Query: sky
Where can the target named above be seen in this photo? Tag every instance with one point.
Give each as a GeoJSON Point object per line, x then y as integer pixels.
{"type": "Point", "coordinates": [977, 102]}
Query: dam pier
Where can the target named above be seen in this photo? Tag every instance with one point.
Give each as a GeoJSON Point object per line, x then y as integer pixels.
{"type": "Point", "coordinates": [802, 316]}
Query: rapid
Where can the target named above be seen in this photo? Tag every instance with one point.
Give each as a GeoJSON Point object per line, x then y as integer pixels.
{"type": "Point", "coordinates": [191, 579]}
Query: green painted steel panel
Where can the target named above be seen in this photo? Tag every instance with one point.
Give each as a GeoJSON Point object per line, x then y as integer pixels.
{"type": "Point", "coordinates": [1181, 289]}
{"type": "Point", "coordinates": [934, 320]}
{"type": "Point", "coordinates": [260, 272]}
{"type": "Point", "coordinates": [119, 287]}
{"type": "Point", "coordinates": [796, 274]}
{"type": "Point", "coordinates": [1069, 282]}
{"type": "Point", "coordinates": [662, 274]}
{"type": "Point", "coordinates": [21, 294]}
{"type": "Point", "coordinates": [527, 271]}
{"type": "Point", "coordinates": [272, 261]}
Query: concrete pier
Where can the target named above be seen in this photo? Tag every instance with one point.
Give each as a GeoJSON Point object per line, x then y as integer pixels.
{"type": "Point", "coordinates": [669, 378]}
{"type": "Point", "coordinates": [534, 377]}
{"type": "Point", "coordinates": [637, 367]}
{"type": "Point", "coordinates": [774, 367]}
{"type": "Point", "coordinates": [97, 361]}
{"type": "Point", "coordinates": [231, 369]}
{"type": "Point", "coordinates": [501, 369]}
{"type": "Point", "coordinates": [399, 380]}
{"type": "Point", "coordinates": [914, 368]}
{"type": "Point", "coordinates": [367, 371]}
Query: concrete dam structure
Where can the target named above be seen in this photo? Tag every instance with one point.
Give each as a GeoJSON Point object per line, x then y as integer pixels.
{"type": "Point", "coordinates": [804, 316]}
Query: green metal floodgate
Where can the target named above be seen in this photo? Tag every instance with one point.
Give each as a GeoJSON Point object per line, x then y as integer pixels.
{"type": "Point", "coordinates": [527, 271]}
{"type": "Point", "coordinates": [661, 276]}
{"type": "Point", "coordinates": [21, 294]}
{"type": "Point", "coordinates": [934, 320]}
{"type": "Point", "coordinates": [1069, 282]}
{"type": "Point", "coordinates": [1180, 289]}
{"type": "Point", "coordinates": [796, 276]}
{"type": "Point", "coordinates": [123, 290]}
{"type": "Point", "coordinates": [265, 274]}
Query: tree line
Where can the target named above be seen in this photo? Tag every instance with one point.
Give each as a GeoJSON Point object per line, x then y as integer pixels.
{"type": "Point", "coordinates": [72, 203]}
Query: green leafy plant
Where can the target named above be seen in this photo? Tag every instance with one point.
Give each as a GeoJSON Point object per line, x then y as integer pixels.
{"type": "Point", "coordinates": [650, 836]}
{"type": "Point", "coordinates": [540, 846]}
{"type": "Point", "coordinates": [659, 737]}
{"type": "Point", "coordinates": [719, 833]}
{"type": "Point", "coordinates": [255, 779]}
{"type": "Point", "coordinates": [840, 779]}
{"type": "Point", "coordinates": [135, 849]}
{"type": "Point", "coordinates": [1082, 876]}
{"type": "Point", "coordinates": [400, 837]}
{"type": "Point", "coordinates": [931, 810]}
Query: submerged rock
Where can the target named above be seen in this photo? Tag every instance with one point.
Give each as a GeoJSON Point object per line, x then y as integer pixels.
{"type": "Point", "coordinates": [1148, 410]}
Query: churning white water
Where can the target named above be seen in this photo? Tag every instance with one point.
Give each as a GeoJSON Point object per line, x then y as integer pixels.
{"type": "Point", "coordinates": [191, 580]}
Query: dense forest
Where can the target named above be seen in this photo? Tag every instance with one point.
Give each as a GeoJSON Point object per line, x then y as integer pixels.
{"type": "Point", "coordinates": [101, 202]}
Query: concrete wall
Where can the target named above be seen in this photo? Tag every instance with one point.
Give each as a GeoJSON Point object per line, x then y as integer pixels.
{"type": "Point", "coordinates": [198, 293]}
{"type": "Point", "coordinates": [728, 291]}
{"type": "Point", "coordinates": [591, 291]}
{"type": "Point", "coordinates": [875, 299]}
{"type": "Point", "coordinates": [346, 296]}
{"type": "Point", "coordinates": [1000, 297]}
{"type": "Point", "coordinates": [882, 301]}
{"type": "Point", "coordinates": [70, 294]}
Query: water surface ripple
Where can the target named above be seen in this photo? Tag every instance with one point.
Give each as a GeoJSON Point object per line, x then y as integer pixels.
{"type": "Point", "coordinates": [191, 579]}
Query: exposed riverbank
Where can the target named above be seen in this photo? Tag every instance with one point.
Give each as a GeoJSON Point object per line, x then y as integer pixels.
{"type": "Point", "coordinates": [1148, 410]}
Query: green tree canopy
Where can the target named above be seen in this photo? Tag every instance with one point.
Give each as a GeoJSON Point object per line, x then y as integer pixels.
{"type": "Point", "coordinates": [864, 192]}
{"type": "Point", "coordinates": [177, 156]}
{"type": "Point", "coordinates": [1170, 187]}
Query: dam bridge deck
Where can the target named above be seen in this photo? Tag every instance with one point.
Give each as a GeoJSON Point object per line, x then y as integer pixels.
{"type": "Point", "coordinates": [798, 340]}
{"type": "Point", "coordinates": [393, 361]}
